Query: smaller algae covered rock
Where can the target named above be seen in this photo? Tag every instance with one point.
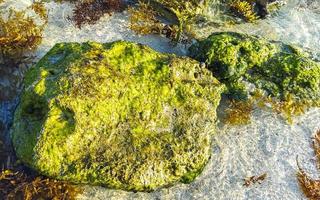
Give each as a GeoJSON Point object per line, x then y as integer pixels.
{"type": "Point", "coordinates": [180, 20]}
{"type": "Point", "coordinates": [265, 7]}
{"type": "Point", "coordinates": [239, 60]}
{"type": "Point", "coordinates": [117, 114]}
{"type": "Point", "coordinates": [171, 19]}
{"type": "Point", "coordinates": [184, 10]}
{"type": "Point", "coordinates": [251, 10]}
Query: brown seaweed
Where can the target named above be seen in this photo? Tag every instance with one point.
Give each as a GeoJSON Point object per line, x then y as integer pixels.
{"type": "Point", "coordinates": [19, 34]}
{"type": "Point", "coordinates": [18, 182]}
{"type": "Point", "coordinates": [89, 12]}
{"type": "Point", "coordinates": [254, 179]}
{"type": "Point", "coordinates": [239, 112]}
{"type": "Point", "coordinates": [15, 185]}
{"type": "Point", "coordinates": [309, 186]}
{"type": "Point", "coordinates": [40, 10]}
{"type": "Point", "coordinates": [145, 20]}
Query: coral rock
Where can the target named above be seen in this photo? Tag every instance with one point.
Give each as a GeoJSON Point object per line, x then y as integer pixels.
{"type": "Point", "coordinates": [278, 69]}
{"type": "Point", "coordinates": [118, 114]}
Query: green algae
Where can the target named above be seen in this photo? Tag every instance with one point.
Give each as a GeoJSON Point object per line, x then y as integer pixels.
{"type": "Point", "coordinates": [239, 60]}
{"type": "Point", "coordinates": [169, 18]}
{"type": "Point", "coordinates": [260, 73]}
{"type": "Point", "coordinates": [118, 114]}
{"type": "Point", "coordinates": [184, 10]}
{"type": "Point", "coordinates": [185, 17]}
{"type": "Point", "coordinates": [244, 10]}
{"type": "Point", "coordinates": [252, 10]}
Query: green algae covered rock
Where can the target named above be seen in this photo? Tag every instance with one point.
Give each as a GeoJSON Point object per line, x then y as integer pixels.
{"type": "Point", "coordinates": [251, 10]}
{"type": "Point", "coordinates": [181, 12]}
{"type": "Point", "coordinates": [118, 114]}
{"type": "Point", "coordinates": [239, 60]}
{"type": "Point", "coordinates": [182, 9]}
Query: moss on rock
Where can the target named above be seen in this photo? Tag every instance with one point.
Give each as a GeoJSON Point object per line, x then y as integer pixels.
{"type": "Point", "coordinates": [172, 19]}
{"type": "Point", "coordinates": [184, 9]}
{"type": "Point", "coordinates": [240, 60]}
{"type": "Point", "coordinates": [251, 10]}
{"type": "Point", "coordinates": [118, 114]}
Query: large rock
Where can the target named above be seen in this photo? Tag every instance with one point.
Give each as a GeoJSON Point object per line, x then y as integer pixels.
{"type": "Point", "coordinates": [277, 68]}
{"type": "Point", "coordinates": [117, 114]}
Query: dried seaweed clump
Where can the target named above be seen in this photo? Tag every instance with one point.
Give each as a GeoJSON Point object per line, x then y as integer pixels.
{"type": "Point", "coordinates": [309, 186]}
{"type": "Point", "coordinates": [90, 11]}
{"type": "Point", "coordinates": [19, 33]}
{"type": "Point", "coordinates": [18, 185]}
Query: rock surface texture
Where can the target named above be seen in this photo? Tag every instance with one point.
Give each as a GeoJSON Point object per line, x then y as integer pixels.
{"type": "Point", "coordinates": [278, 69]}
{"type": "Point", "coordinates": [117, 114]}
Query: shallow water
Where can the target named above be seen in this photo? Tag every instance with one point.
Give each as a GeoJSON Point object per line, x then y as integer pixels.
{"type": "Point", "coordinates": [267, 145]}
{"type": "Point", "coordinates": [298, 23]}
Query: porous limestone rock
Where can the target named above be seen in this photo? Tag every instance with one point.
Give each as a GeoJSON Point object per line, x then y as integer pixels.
{"type": "Point", "coordinates": [117, 114]}
{"type": "Point", "coordinates": [276, 68]}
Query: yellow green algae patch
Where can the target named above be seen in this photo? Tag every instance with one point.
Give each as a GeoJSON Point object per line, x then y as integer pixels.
{"type": "Point", "coordinates": [251, 10]}
{"type": "Point", "coordinates": [169, 18]}
{"type": "Point", "coordinates": [117, 114]}
{"type": "Point", "coordinates": [180, 11]}
{"type": "Point", "coordinates": [245, 62]}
